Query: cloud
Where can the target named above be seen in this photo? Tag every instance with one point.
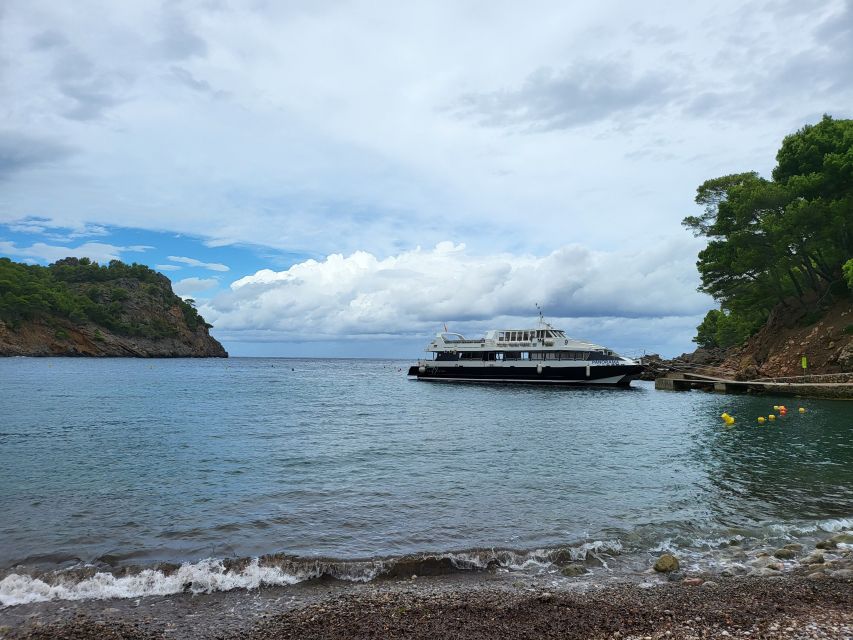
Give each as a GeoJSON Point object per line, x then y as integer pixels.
{"type": "Point", "coordinates": [213, 266]}
{"type": "Point", "coordinates": [362, 295]}
{"type": "Point", "coordinates": [580, 94]}
{"type": "Point", "coordinates": [49, 39]}
{"type": "Point", "coordinates": [187, 79]}
{"type": "Point", "coordinates": [179, 41]}
{"type": "Point", "coordinates": [21, 151]}
{"type": "Point", "coordinates": [98, 251]}
{"type": "Point", "coordinates": [35, 225]}
{"type": "Point", "coordinates": [188, 287]}
{"type": "Point", "coordinates": [167, 267]}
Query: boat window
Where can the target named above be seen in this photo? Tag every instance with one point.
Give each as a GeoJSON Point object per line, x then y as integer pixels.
{"type": "Point", "coordinates": [525, 355]}
{"type": "Point", "coordinates": [500, 336]}
{"type": "Point", "coordinates": [525, 336]}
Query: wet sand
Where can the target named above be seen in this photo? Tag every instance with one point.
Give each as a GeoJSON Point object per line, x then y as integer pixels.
{"type": "Point", "coordinates": [474, 606]}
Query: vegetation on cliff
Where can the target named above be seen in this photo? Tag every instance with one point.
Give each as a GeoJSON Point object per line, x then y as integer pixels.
{"type": "Point", "coordinates": [787, 241]}
{"type": "Point", "coordinates": [114, 309]}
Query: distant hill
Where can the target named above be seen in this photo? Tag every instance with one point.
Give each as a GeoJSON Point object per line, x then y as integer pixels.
{"type": "Point", "coordinates": [76, 307]}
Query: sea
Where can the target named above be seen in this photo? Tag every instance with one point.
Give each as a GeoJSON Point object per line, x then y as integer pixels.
{"type": "Point", "coordinates": [131, 477]}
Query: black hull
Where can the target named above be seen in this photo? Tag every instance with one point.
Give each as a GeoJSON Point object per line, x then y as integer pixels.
{"type": "Point", "coordinates": [598, 376]}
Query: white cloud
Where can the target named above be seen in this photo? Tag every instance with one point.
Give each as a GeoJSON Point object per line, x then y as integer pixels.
{"type": "Point", "coordinates": [98, 251]}
{"type": "Point", "coordinates": [415, 291]}
{"type": "Point", "coordinates": [188, 287]}
{"type": "Point", "coordinates": [167, 267]}
{"type": "Point", "coordinates": [53, 231]}
{"type": "Point", "coordinates": [213, 266]}
{"type": "Point", "coordinates": [367, 135]}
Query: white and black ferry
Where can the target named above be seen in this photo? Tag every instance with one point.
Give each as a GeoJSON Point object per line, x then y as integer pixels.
{"type": "Point", "coordinates": [544, 355]}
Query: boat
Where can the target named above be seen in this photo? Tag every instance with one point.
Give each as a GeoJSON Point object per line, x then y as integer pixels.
{"type": "Point", "coordinates": [543, 355]}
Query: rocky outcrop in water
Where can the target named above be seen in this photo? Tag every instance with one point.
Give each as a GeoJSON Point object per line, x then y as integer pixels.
{"type": "Point", "coordinates": [78, 308]}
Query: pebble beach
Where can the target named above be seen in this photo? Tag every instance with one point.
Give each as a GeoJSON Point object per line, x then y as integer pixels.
{"type": "Point", "coordinates": [749, 607]}
{"type": "Point", "coordinates": [793, 592]}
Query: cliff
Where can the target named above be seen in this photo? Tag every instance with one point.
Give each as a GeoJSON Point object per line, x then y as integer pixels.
{"type": "Point", "coordinates": [792, 332]}
{"type": "Point", "coordinates": [79, 308]}
{"type": "Point", "coordinates": [776, 350]}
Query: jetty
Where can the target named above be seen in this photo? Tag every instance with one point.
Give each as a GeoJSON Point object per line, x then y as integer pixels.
{"type": "Point", "coordinates": [686, 377]}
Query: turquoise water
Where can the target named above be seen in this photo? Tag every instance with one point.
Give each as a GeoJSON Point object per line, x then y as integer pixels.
{"type": "Point", "coordinates": [121, 462]}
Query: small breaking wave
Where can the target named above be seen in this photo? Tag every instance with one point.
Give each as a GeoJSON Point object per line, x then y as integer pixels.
{"type": "Point", "coordinates": [85, 582]}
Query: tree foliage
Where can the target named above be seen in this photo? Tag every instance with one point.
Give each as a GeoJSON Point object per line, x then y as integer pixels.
{"type": "Point", "coordinates": [784, 240]}
{"type": "Point", "coordinates": [84, 291]}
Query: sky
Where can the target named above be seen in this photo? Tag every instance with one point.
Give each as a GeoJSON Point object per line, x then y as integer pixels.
{"type": "Point", "coordinates": [344, 178]}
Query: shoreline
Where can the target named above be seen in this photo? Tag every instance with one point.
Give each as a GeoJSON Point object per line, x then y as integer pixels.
{"type": "Point", "coordinates": [474, 606]}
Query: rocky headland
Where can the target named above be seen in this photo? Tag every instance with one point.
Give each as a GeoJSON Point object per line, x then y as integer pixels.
{"type": "Point", "coordinates": [78, 308]}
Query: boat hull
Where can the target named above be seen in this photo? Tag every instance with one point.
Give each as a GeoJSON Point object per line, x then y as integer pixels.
{"type": "Point", "coordinates": [607, 375]}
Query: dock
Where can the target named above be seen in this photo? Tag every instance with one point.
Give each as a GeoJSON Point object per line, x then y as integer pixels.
{"type": "Point", "coordinates": [832, 385]}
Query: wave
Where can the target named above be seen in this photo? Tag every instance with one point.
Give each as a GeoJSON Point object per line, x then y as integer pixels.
{"type": "Point", "coordinates": [111, 577]}
{"type": "Point", "coordinates": [86, 582]}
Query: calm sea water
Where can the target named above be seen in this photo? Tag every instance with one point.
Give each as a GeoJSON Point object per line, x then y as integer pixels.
{"type": "Point", "coordinates": [133, 462]}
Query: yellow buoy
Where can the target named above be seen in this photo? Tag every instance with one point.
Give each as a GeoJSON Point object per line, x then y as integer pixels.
{"type": "Point", "coordinates": [775, 407]}
{"type": "Point", "coordinates": [802, 410]}
{"type": "Point", "coordinates": [761, 420]}
{"type": "Point", "coordinates": [771, 417]}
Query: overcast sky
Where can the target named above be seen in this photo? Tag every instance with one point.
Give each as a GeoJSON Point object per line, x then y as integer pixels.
{"type": "Point", "coordinates": [356, 174]}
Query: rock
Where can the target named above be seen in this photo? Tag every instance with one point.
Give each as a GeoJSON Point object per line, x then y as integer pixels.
{"type": "Point", "coordinates": [666, 563]}
{"type": "Point", "coordinates": [709, 584]}
{"type": "Point", "coordinates": [162, 324]}
{"type": "Point", "coordinates": [843, 573]}
{"type": "Point", "coordinates": [784, 554]}
{"type": "Point", "coordinates": [817, 575]}
{"type": "Point", "coordinates": [845, 357]}
{"type": "Point", "coordinates": [692, 582]}
{"type": "Point", "coordinates": [842, 538]}
{"type": "Point", "coordinates": [826, 544]}
{"type": "Point", "coordinates": [815, 557]}
{"type": "Point", "coordinates": [765, 572]}
{"type": "Point", "coordinates": [794, 546]}
{"type": "Point", "coordinates": [762, 562]}
{"type": "Point", "coordinates": [573, 570]}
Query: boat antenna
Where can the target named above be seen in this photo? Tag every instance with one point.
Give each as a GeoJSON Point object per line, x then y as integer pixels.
{"type": "Point", "coordinates": [541, 319]}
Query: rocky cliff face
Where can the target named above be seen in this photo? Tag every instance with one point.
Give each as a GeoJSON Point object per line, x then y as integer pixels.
{"type": "Point", "coordinates": [154, 308]}
{"type": "Point", "coordinates": [776, 350]}
{"type": "Point", "coordinates": [778, 347]}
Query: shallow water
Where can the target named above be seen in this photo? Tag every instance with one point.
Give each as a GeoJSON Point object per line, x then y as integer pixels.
{"type": "Point", "coordinates": [133, 462]}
